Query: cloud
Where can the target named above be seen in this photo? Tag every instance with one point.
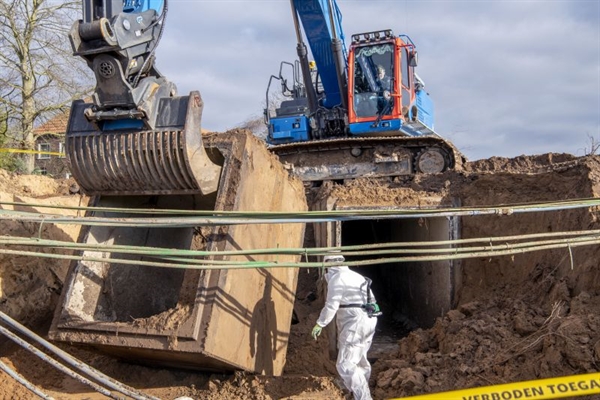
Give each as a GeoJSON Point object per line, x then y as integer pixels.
{"type": "Point", "coordinates": [507, 77]}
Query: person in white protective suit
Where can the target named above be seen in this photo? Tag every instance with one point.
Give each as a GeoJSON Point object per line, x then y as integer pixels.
{"type": "Point", "coordinates": [349, 297]}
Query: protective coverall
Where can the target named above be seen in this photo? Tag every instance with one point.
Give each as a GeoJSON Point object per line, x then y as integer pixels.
{"type": "Point", "coordinates": [346, 290]}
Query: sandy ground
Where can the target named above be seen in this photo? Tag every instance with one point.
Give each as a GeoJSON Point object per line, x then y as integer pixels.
{"type": "Point", "coordinates": [529, 316]}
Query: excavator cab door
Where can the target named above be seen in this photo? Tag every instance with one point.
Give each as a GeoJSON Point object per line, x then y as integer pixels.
{"type": "Point", "coordinates": [374, 84]}
{"type": "Point", "coordinates": [405, 74]}
{"type": "Point", "coordinates": [385, 96]}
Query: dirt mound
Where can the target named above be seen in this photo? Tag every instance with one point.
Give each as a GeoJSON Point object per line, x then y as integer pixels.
{"type": "Point", "coordinates": [522, 164]}
{"type": "Point", "coordinates": [529, 316]}
{"type": "Point", "coordinates": [29, 286]}
{"type": "Point", "coordinates": [543, 332]}
{"type": "Point", "coordinates": [518, 318]}
{"type": "Point", "coordinates": [35, 186]}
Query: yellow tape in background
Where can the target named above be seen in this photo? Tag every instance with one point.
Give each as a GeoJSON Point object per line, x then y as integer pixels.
{"type": "Point", "coordinates": [552, 388]}
{"type": "Point", "coordinates": [52, 153]}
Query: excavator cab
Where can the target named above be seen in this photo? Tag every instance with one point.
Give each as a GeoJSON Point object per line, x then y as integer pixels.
{"type": "Point", "coordinates": [384, 93]}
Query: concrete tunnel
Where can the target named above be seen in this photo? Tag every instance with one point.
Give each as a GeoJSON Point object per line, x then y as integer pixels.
{"type": "Point", "coordinates": [411, 294]}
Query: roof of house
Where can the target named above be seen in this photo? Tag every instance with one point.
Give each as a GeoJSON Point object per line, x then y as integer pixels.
{"type": "Point", "coordinates": [56, 125]}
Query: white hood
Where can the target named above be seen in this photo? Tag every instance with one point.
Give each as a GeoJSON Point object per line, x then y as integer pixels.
{"type": "Point", "coordinates": [331, 271]}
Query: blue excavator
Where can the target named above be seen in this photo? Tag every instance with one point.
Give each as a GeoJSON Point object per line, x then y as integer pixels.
{"type": "Point", "coordinates": [136, 136]}
{"type": "Point", "coordinates": [357, 112]}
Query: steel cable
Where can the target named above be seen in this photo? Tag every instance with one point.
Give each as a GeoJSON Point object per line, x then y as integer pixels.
{"type": "Point", "coordinates": [57, 365]}
{"type": "Point", "coordinates": [367, 249]}
{"type": "Point", "coordinates": [236, 217]}
{"type": "Point", "coordinates": [452, 254]}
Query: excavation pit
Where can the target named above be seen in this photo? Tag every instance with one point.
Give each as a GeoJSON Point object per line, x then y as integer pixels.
{"type": "Point", "coordinates": [411, 294]}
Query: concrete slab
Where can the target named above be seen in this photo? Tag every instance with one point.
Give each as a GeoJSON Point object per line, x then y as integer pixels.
{"type": "Point", "coordinates": [211, 320]}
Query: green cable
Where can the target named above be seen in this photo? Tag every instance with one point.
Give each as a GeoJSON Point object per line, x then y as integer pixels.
{"type": "Point", "coordinates": [356, 250]}
{"type": "Point", "coordinates": [498, 209]}
{"type": "Point", "coordinates": [219, 264]}
{"type": "Point", "coordinates": [316, 251]}
{"type": "Point", "coordinates": [195, 221]}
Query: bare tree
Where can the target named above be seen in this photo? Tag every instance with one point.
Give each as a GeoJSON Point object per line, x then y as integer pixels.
{"type": "Point", "coordinates": [7, 161]}
{"type": "Point", "coordinates": [39, 76]}
{"type": "Point", "coordinates": [3, 123]}
{"type": "Point", "coordinates": [256, 125]}
{"type": "Point", "coordinates": [594, 146]}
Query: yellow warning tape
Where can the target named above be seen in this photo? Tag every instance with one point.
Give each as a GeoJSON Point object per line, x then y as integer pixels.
{"type": "Point", "coordinates": [552, 388]}
{"type": "Point", "coordinates": [52, 153]}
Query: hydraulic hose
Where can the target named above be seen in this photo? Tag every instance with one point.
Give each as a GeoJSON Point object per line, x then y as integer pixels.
{"type": "Point", "coordinates": [161, 19]}
{"type": "Point", "coordinates": [302, 51]}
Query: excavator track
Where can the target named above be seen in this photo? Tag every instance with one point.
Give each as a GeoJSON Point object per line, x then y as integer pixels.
{"type": "Point", "coordinates": [373, 156]}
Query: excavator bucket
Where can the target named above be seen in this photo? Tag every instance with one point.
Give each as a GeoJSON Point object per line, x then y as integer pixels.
{"type": "Point", "coordinates": [170, 159]}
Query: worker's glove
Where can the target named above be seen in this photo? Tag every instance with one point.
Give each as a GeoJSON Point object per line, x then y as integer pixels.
{"type": "Point", "coordinates": [316, 331]}
{"type": "Point", "coordinates": [372, 309]}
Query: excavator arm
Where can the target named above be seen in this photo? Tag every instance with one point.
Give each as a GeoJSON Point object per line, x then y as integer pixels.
{"type": "Point", "coordinates": [136, 136]}
{"type": "Point", "coordinates": [118, 40]}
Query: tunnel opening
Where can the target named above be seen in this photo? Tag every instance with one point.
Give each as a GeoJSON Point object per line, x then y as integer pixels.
{"type": "Point", "coordinates": [411, 294]}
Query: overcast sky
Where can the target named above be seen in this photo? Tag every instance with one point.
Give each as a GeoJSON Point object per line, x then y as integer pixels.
{"type": "Point", "coordinates": [506, 77]}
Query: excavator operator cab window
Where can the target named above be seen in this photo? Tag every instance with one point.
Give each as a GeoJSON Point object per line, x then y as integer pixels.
{"type": "Point", "coordinates": [373, 80]}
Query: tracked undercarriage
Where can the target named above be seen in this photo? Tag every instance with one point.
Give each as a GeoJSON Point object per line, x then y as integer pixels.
{"type": "Point", "coordinates": [348, 158]}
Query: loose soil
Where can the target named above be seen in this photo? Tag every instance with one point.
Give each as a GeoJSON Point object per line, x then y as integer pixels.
{"type": "Point", "coordinates": [530, 316]}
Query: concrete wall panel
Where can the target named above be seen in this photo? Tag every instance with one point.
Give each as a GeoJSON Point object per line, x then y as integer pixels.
{"type": "Point", "coordinates": [214, 319]}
